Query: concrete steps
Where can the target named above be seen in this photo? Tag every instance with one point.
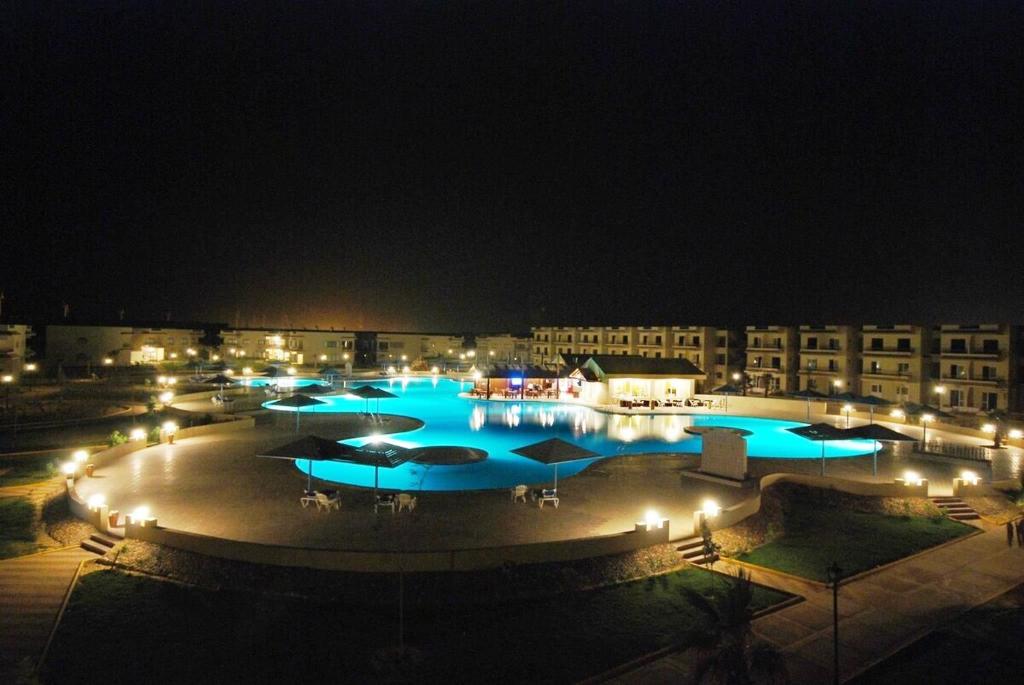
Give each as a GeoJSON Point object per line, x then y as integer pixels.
{"type": "Point", "coordinates": [955, 508]}
{"type": "Point", "coordinates": [692, 551]}
{"type": "Point", "coordinates": [98, 543]}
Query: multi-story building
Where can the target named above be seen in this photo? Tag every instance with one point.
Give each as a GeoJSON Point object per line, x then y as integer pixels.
{"type": "Point", "coordinates": [620, 340]}
{"type": "Point", "coordinates": [772, 358]}
{"type": "Point", "coordinates": [503, 348]}
{"type": "Point", "coordinates": [829, 359]}
{"type": "Point", "coordinates": [13, 347]}
{"type": "Point", "coordinates": [730, 357]}
{"type": "Point", "coordinates": [894, 362]}
{"type": "Point", "coordinates": [291, 346]}
{"type": "Point", "coordinates": [395, 348]}
{"type": "Point", "coordinates": [696, 344]}
{"type": "Point", "coordinates": [974, 367]}
{"type": "Point", "coordinates": [653, 341]}
{"type": "Point", "coordinates": [123, 344]}
{"type": "Point", "coordinates": [590, 340]}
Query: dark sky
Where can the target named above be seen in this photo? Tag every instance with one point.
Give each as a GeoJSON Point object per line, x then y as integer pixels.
{"type": "Point", "coordinates": [496, 165]}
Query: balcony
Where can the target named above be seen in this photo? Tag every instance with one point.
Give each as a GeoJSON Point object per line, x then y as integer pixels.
{"type": "Point", "coordinates": [886, 373]}
{"type": "Point", "coordinates": [971, 354]}
{"type": "Point", "coordinates": [889, 351]}
{"type": "Point", "coordinates": [766, 347]}
{"type": "Point", "coordinates": [819, 372]}
{"type": "Point", "coordinates": [965, 380]}
{"type": "Point", "coordinates": [819, 350]}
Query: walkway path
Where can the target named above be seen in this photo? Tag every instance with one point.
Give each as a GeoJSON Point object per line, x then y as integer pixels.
{"type": "Point", "coordinates": [32, 589]}
{"type": "Point", "coordinates": [879, 614]}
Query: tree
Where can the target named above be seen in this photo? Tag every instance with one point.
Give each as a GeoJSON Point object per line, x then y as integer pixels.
{"type": "Point", "coordinates": [731, 655]}
{"type": "Point", "coordinates": [711, 548]}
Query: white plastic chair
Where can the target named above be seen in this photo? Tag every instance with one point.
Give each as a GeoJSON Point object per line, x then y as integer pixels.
{"type": "Point", "coordinates": [519, 493]}
{"type": "Point", "coordinates": [325, 501]}
{"type": "Point", "coordinates": [406, 501]}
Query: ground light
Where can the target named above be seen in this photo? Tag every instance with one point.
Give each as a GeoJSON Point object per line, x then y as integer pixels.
{"type": "Point", "coordinates": [31, 367]}
{"type": "Point", "coordinates": [969, 477]}
{"type": "Point", "coordinates": [170, 428]}
{"type": "Point", "coordinates": [247, 370]}
{"type": "Point", "coordinates": [897, 414]}
{"type": "Point", "coordinates": [1016, 434]}
{"type": "Point", "coordinates": [96, 501]}
{"type": "Point", "coordinates": [69, 468]}
{"type": "Point", "coordinates": [653, 519]}
{"type": "Point", "coordinates": [710, 508]}
{"type": "Point", "coordinates": [139, 515]}
{"type": "Point", "coordinates": [137, 434]}
{"type": "Point", "coordinates": [79, 456]}
{"type": "Point", "coordinates": [166, 397]}
{"type": "Point", "coordinates": [107, 361]}
{"type": "Point", "coordinates": [912, 478]}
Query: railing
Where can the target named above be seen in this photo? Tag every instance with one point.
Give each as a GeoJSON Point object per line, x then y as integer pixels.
{"type": "Point", "coordinates": [956, 451]}
{"type": "Point", "coordinates": [888, 350]}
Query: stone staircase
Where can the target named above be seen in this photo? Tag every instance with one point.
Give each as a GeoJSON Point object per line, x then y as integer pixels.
{"type": "Point", "coordinates": [955, 508]}
{"type": "Point", "coordinates": [98, 543]}
{"type": "Point", "coordinates": [692, 550]}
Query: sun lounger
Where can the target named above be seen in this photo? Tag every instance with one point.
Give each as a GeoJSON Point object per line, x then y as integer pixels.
{"type": "Point", "coordinates": [325, 500]}
{"type": "Point", "coordinates": [384, 502]}
{"type": "Point", "coordinates": [545, 495]}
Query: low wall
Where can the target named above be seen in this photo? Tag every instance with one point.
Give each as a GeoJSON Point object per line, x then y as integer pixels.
{"type": "Point", "coordinates": [730, 516]}
{"type": "Point", "coordinates": [390, 561]}
{"type": "Point", "coordinates": [218, 427]}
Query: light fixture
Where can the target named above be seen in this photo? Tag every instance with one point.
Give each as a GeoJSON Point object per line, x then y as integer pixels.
{"type": "Point", "coordinates": [137, 434]}
{"type": "Point", "coordinates": [435, 370]}
{"type": "Point", "coordinates": [31, 367]}
{"type": "Point", "coordinates": [96, 501]}
{"type": "Point", "coordinates": [107, 361]}
{"type": "Point", "coordinates": [896, 413]}
{"type": "Point", "coordinates": [169, 427]}
{"type": "Point", "coordinates": [171, 380]}
{"type": "Point", "coordinates": [69, 468]}
{"type": "Point", "coordinates": [80, 456]}
{"type": "Point", "coordinates": [291, 370]}
{"type": "Point", "coordinates": [166, 397]}
{"type": "Point", "coordinates": [988, 428]}
{"type": "Point", "coordinates": [162, 380]}
{"type": "Point", "coordinates": [139, 515]}
{"type": "Point", "coordinates": [7, 378]}
{"type": "Point", "coordinates": [912, 478]}
{"type": "Point", "coordinates": [710, 508]}
{"type": "Point", "coordinates": [1016, 434]}
{"type": "Point", "coordinates": [247, 370]}
{"type": "Point", "coordinates": [653, 519]}
{"type": "Point", "coordinates": [969, 477]}
{"type": "Point", "coordinates": [323, 357]}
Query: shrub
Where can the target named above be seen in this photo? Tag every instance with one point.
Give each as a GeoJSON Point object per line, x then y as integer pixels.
{"type": "Point", "coordinates": [154, 434]}
{"type": "Point", "coordinates": [117, 438]}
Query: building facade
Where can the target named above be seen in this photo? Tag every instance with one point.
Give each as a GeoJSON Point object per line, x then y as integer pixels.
{"type": "Point", "coordinates": [894, 362]}
{"type": "Point", "coordinates": [829, 359]}
{"type": "Point", "coordinates": [14, 347]}
{"type": "Point", "coordinates": [289, 346]}
{"type": "Point", "coordinates": [974, 368]}
{"type": "Point", "coordinates": [772, 359]}
{"type": "Point", "coordinates": [121, 344]}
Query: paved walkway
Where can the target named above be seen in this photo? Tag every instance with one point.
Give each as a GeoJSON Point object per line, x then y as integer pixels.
{"type": "Point", "coordinates": [879, 614]}
{"type": "Point", "coordinates": [32, 589]}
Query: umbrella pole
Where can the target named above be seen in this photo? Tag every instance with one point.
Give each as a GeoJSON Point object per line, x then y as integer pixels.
{"type": "Point", "coordinates": [823, 457]}
{"type": "Point", "coordinates": [871, 415]}
{"type": "Point", "coordinates": [808, 410]}
{"type": "Point", "coordinates": [309, 475]}
{"type": "Point", "coordinates": [556, 478]}
{"type": "Point", "coordinates": [298, 410]}
{"type": "Point", "coordinates": [874, 458]}
{"type": "Point", "coordinates": [376, 471]}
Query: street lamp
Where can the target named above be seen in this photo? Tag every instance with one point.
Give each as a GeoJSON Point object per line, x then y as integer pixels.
{"type": "Point", "coordinates": [939, 390]}
{"type": "Point", "coordinates": [835, 574]}
{"type": "Point", "coordinates": [847, 408]}
{"type": "Point", "coordinates": [7, 380]}
{"type": "Point", "coordinates": [925, 420]}
{"type": "Point", "coordinates": [836, 384]}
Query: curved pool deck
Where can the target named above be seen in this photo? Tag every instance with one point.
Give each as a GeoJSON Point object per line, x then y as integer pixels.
{"type": "Point", "coordinates": [500, 427]}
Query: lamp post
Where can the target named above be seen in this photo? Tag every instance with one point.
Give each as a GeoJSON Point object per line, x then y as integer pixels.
{"type": "Point", "coordinates": [736, 376]}
{"type": "Point", "coordinates": [925, 420]}
{"type": "Point", "coordinates": [7, 380]}
{"type": "Point", "coordinates": [940, 391]}
{"type": "Point", "coordinates": [834, 576]}
{"type": "Point", "coordinates": [836, 384]}
{"type": "Point", "coordinates": [847, 408]}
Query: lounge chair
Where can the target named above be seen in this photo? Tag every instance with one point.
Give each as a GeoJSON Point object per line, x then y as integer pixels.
{"type": "Point", "coordinates": [518, 493]}
{"type": "Point", "coordinates": [545, 495]}
{"type": "Point", "coordinates": [327, 500]}
{"type": "Point", "coordinates": [307, 499]}
{"type": "Point", "coordinates": [406, 501]}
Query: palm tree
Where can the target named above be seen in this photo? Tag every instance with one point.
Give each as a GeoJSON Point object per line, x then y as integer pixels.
{"type": "Point", "coordinates": [731, 654]}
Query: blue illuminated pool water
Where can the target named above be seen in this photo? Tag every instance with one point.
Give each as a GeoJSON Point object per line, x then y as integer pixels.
{"type": "Point", "coordinates": [282, 382]}
{"type": "Point", "coordinates": [499, 427]}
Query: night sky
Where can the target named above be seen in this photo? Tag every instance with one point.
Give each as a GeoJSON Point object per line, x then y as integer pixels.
{"type": "Point", "coordinates": [491, 166]}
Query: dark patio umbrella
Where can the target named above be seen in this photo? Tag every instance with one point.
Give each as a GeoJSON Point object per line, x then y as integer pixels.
{"type": "Point", "coordinates": [311, 448]}
{"type": "Point", "coordinates": [219, 380]}
{"type": "Point", "coordinates": [726, 390]}
{"type": "Point", "coordinates": [821, 432]}
{"type": "Point", "coordinates": [329, 372]}
{"type": "Point", "coordinates": [808, 395]}
{"type": "Point", "coordinates": [876, 434]}
{"type": "Point", "coordinates": [272, 372]}
{"type": "Point", "coordinates": [377, 454]}
{"type": "Point", "coordinates": [553, 452]}
{"type": "Point", "coordinates": [870, 401]}
{"type": "Point", "coordinates": [298, 401]}
{"type": "Point", "coordinates": [369, 392]}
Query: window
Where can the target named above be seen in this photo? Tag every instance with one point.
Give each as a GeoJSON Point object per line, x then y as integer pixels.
{"type": "Point", "coordinates": [902, 390]}
{"type": "Point", "coordinates": [657, 355]}
{"type": "Point", "coordinates": [958, 345]}
{"type": "Point", "coordinates": [812, 364]}
{"type": "Point", "coordinates": [903, 369]}
{"type": "Point", "coordinates": [812, 383]}
{"type": "Point", "coordinates": [833, 344]}
{"type": "Point", "coordinates": [989, 401]}
{"type": "Point", "coordinates": [903, 344]}
{"type": "Point", "coordinates": [657, 340]}
{"type": "Point", "coordinates": [988, 373]}
{"type": "Point", "coordinates": [757, 342]}
{"type": "Point", "coordinates": [812, 343]}
{"type": "Point", "coordinates": [720, 341]}
{"type": "Point", "coordinates": [876, 388]}
{"type": "Point", "coordinates": [990, 346]}
{"type": "Point", "coordinates": [876, 344]}
{"type": "Point", "coordinates": [778, 343]}
{"type": "Point", "coordinates": [719, 358]}
{"type": "Point", "coordinates": [833, 365]}
{"type": "Point", "coordinates": [330, 343]}
{"type": "Point", "coordinates": [696, 341]}
{"type": "Point", "coordinates": [696, 359]}
{"type": "Point", "coordinates": [875, 367]}
{"type": "Point", "coordinates": [758, 361]}
{"type": "Point", "coordinates": [957, 371]}
{"type": "Point", "coordinates": [681, 340]}
{"type": "Point", "coordinates": [776, 362]}
{"type": "Point", "coordinates": [718, 375]}
{"type": "Point", "coordinates": [625, 341]}
{"type": "Point", "coordinates": [956, 398]}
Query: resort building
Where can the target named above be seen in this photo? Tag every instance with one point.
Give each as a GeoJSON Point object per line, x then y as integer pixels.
{"type": "Point", "coordinates": [123, 344]}
{"type": "Point", "coordinates": [696, 344]}
{"type": "Point", "coordinates": [633, 379]}
{"type": "Point", "coordinates": [974, 368]}
{"type": "Point", "coordinates": [730, 358]}
{"type": "Point", "coordinates": [13, 347]}
{"type": "Point", "coordinates": [504, 348]}
{"type": "Point", "coordinates": [401, 348]}
{"type": "Point", "coordinates": [894, 363]}
{"type": "Point", "coordinates": [772, 359]}
{"type": "Point", "coordinates": [829, 359]}
{"type": "Point", "coordinates": [289, 346]}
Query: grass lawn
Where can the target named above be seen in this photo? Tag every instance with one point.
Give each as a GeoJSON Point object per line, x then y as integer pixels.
{"type": "Point", "coordinates": [17, 517]}
{"type": "Point", "coordinates": [185, 635]}
{"type": "Point", "coordinates": [857, 541]}
{"type": "Point", "coordinates": [23, 471]}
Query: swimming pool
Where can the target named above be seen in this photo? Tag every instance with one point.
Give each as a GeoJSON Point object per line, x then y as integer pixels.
{"type": "Point", "coordinates": [499, 427]}
{"type": "Point", "coordinates": [281, 382]}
